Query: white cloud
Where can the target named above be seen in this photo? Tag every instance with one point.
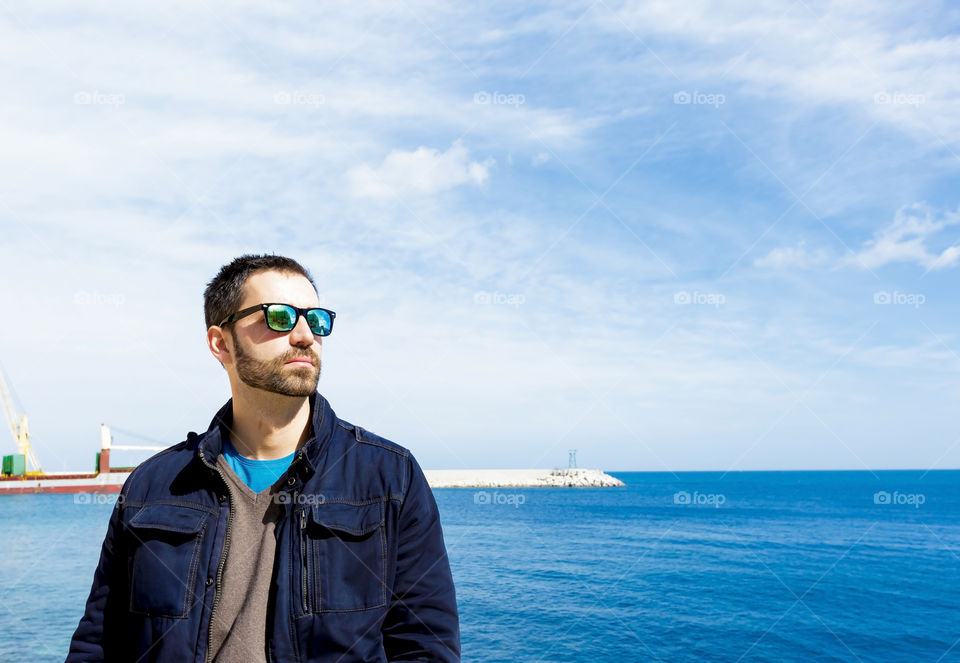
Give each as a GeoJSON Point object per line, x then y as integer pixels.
{"type": "Point", "coordinates": [793, 257]}
{"type": "Point", "coordinates": [540, 158]}
{"type": "Point", "coordinates": [425, 170]}
{"type": "Point", "coordinates": [905, 240]}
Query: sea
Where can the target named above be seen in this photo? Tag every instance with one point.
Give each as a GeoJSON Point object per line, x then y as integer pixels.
{"type": "Point", "coordinates": [805, 566]}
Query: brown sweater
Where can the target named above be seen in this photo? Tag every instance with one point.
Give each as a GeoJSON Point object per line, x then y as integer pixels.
{"type": "Point", "coordinates": [239, 623]}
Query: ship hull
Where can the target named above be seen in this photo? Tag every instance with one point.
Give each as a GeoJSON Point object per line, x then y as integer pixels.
{"type": "Point", "coordinates": [110, 482]}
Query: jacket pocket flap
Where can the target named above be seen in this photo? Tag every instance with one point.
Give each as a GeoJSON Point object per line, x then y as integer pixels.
{"type": "Point", "coordinates": [169, 517]}
{"type": "Point", "coordinates": [351, 518]}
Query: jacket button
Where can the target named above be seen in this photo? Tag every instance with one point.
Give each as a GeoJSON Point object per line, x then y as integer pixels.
{"type": "Point", "coordinates": [222, 498]}
{"type": "Point", "coordinates": [209, 581]}
{"type": "Point", "coordinates": [291, 481]}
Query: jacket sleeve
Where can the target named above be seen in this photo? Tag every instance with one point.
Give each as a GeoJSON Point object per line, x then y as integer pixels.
{"type": "Point", "coordinates": [99, 636]}
{"type": "Point", "coordinates": [422, 623]}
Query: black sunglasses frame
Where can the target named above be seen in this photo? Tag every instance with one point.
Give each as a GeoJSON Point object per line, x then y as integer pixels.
{"type": "Point", "coordinates": [233, 317]}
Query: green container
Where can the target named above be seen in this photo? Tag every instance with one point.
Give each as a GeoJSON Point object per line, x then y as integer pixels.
{"type": "Point", "coordinates": [96, 468]}
{"type": "Point", "coordinates": [15, 465]}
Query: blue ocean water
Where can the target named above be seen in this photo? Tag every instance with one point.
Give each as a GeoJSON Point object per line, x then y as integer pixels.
{"type": "Point", "coordinates": [747, 566]}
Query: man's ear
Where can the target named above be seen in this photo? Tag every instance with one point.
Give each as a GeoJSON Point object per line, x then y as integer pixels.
{"type": "Point", "coordinates": [219, 345]}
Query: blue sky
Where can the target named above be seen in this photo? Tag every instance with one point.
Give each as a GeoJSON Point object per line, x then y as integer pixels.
{"type": "Point", "coordinates": [710, 236]}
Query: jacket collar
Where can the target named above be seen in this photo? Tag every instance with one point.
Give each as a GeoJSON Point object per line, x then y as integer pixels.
{"type": "Point", "coordinates": [322, 427]}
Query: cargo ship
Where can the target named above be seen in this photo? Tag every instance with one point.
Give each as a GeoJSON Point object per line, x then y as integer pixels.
{"type": "Point", "coordinates": [16, 479]}
{"type": "Point", "coordinates": [21, 472]}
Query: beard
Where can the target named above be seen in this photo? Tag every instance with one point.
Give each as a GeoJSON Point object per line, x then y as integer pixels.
{"type": "Point", "coordinates": [271, 375]}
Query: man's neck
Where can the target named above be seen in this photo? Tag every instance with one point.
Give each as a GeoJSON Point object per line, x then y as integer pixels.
{"type": "Point", "coordinates": [268, 426]}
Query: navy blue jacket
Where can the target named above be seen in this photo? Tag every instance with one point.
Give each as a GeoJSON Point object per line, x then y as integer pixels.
{"type": "Point", "coordinates": [361, 570]}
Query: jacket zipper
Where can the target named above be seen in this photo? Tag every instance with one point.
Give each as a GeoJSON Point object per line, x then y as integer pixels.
{"type": "Point", "coordinates": [223, 558]}
{"type": "Point", "coordinates": [303, 560]}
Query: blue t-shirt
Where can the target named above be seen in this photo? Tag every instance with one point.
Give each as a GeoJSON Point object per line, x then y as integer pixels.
{"type": "Point", "coordinates": [257, 474]}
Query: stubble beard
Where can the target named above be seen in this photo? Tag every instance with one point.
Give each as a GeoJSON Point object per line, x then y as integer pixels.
{"type": "Point", "coordinates": [273, 376]}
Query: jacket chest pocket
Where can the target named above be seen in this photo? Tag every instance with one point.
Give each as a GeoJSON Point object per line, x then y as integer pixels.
{"type": "Point", "coordinates": [163, 567]}
{"type": "Point", "coordinates": [343, 557]}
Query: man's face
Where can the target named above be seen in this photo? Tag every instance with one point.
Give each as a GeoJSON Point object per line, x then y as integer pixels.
{"type": "Point", "coordinates": [263, 357]}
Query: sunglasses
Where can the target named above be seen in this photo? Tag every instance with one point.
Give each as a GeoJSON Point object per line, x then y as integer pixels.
{"type": "Point", "coordinates": [283, 317]}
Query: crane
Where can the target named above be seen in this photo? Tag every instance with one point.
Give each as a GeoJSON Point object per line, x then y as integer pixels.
{"type": "Point", "coordinates": [18, 426]}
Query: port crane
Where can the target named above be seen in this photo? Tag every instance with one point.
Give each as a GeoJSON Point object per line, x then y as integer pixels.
{"type": "Point", "coordinates": [21, 436]}
{"type": "Point", "coordinates": [18, 427]}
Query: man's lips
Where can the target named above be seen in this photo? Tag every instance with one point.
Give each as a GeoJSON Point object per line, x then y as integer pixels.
{"type": "Point", "coordinates": [301, 361]}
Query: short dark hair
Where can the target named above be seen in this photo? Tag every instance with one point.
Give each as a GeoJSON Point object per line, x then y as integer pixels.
{"type": "Point", "coordinates": [225, 291]}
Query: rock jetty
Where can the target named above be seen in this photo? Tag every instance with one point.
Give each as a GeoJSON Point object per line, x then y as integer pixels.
{"type": "Point", "coordinates": [567, 477]}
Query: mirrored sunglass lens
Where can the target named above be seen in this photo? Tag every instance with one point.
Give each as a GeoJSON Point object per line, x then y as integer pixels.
{"type": "Point", "coordinates": [319, 322]}
{"type": "Point", "coordinates": [281, 318]}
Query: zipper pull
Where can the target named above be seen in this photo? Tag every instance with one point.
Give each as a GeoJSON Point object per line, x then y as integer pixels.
{"type": "Point", "coordinates": [303, 520]}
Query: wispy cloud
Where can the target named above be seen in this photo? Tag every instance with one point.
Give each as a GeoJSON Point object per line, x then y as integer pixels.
{"type": "Point", "coordinates": [793, 257]}
{"type": "Point", "coordinates": [891, 61]}
{"type": "Point", "coordinates": [422, 171]}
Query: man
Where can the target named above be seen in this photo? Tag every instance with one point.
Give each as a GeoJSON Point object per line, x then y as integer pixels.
{"type": "Point", "coordinates": [282, 533]}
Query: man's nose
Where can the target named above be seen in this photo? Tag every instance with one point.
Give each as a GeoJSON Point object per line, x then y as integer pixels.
{"type": "Point", "coordinates": [301, 335]}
